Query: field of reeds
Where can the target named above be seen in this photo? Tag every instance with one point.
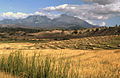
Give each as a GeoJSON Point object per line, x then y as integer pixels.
{"type": "Point", "coordinates": [49, 60]}
{"type": "Point", "coordinates": [61, 63]}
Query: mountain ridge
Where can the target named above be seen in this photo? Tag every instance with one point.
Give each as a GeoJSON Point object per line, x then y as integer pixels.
{"type": "Point", "coordinates": [63, 21]}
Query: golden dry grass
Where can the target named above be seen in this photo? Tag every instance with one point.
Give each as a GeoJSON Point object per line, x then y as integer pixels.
{"type": "Point", "coordinates": [103, 63]}
{"type": "Point", "coordinates": [4, 75]}
{"type": "Point", "coordinates": [97, 63]}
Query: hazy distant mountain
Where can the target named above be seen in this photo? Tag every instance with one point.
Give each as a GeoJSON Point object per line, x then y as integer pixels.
{"type": "Point", "coordinates": [64, 21]}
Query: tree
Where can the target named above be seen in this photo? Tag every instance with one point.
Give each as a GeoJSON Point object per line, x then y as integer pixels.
{"type": "Point", "coordinates": [116, 25]}
{"type": "Point", "coordinates": [75, 32]}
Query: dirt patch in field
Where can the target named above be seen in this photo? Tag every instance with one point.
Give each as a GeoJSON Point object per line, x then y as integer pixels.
{"type": "Point", "coordinates": [118, 51]}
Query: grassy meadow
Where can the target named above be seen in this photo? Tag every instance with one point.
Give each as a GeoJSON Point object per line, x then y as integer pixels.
{"type": "Point", "coordinates": [91, 57]}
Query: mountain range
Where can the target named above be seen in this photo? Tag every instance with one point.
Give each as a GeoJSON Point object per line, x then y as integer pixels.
{"type": "Point", "coordinates": [63, 21]}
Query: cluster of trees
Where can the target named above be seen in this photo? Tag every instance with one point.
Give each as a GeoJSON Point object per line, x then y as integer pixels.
{"type": "Point", "coordinates": [6, 29]}
{"type": "Point", "coordinates": [117, 25]}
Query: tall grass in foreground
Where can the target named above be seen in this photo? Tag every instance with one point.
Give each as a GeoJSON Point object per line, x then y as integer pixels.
{"type": "Point", "coordinates": [39, 66]}
{"type": "Point", "coordinates": [36, 66]}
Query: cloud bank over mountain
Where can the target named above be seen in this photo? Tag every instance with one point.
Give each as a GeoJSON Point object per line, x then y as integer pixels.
{"type": "Point", "coordinates": [20, 15]}
{"type": "Point", "coordinates": [86, 11]}
{"type": "Point", "coordinates": [102, 2]}
{"type": "Point", "coordinates": [91, 10]}
{"type": "Point", "coordinates": [11, 15]}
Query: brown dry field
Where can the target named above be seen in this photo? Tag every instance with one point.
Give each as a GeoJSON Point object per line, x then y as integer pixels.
{"type": "Point", "coordinates": [83, 62]}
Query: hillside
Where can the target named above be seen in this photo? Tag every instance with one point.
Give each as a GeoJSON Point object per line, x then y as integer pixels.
{"type": "Point", "coordinates": [93, 43]}
{"type": "Point", "coordinates": [56, 34]}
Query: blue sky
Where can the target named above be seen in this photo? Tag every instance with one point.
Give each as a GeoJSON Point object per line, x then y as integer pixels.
{"type": "Point", "coordinates": [30, 6]}
{"type": "Point", "coordinates": [100, 12]}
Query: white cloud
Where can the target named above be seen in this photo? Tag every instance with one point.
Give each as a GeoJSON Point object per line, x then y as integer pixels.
{"type": "Point", "coordinates": [39, 13]}
{"type": "Point", "coordinates": [49, 15]}
{"type": "Point", "coordinates": [102, 24]}
{"type": "Point", "coordinates": [20, 15]}
{"type": "Point", "coordinates": [11, 15]}
{"type": "Point", "coordinates": [102, 2]}
{"type": "Point", "coordinates": [90, 22]}
{"type": "Point", "coordinates": [94, 11]}
{"type": "Point", "coordinates": [52, 8]}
